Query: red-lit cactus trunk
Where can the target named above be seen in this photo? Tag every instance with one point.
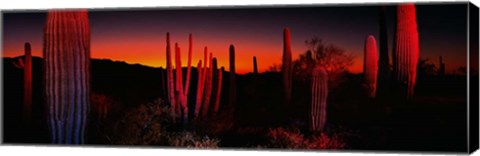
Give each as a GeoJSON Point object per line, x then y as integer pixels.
{"type": "Point", "coordinates": [287, 66]}
{"type": "Point", "coordinates": [67, 74]}
{"type": "Point", "coordinates": [406, 50]}
{"type": "Point", "coordinates": [170, 78]}
{"type": "Point", "coordinates": [177, 91]}
{"type": "Point", "coordinates": [233, 83]}
{"type": "Point", "coordinates": [370, 65]}
{"type": "Point", "coordinates": [27, 79]}
{"type": "Point", "coordinates": [319, 99]}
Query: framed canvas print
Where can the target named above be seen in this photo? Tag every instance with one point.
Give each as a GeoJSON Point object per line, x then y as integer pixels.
{"type": "Point", "coordinates": [388, 77]}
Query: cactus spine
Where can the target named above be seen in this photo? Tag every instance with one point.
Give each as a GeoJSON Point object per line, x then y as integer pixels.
{"type": "Point", "coordinates": [319, 99]}
{"type": "Point", "coordinates": [287, 66]}
{"type": "Point", "coordinates": [370, 66]}
{"type": "Point", "coordinates": [219, 90]}
{"type": "Point", "coordinates": [406, 49]}
{"type": "Point", "coordinates": [67, 74]}
{"type": "Point", "coordinates": [255, 70]}
{"type": "Point", "coordinates": [27, 81]}
{"type": "Point", "coordinates": [233, 84]}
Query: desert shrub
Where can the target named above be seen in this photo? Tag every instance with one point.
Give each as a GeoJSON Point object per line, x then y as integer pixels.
{"type": "Point", "coordinates": [294, 139]}
{"type": "Point", "coordinates": [153, 124]}
{"type": "Point", "coordinates": [146, 124]}
{"type": "Point", "coordinates": [215, 124]}
{"type": "Point", "coordinates": [189, 139]}
{"type": "Point", "coordinates": [101, 105]}
{"type": "Point", "coordinates": [282, 138]}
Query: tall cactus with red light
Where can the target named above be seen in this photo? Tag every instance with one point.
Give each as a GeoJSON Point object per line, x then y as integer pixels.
{"type": "Point", "coordinates": [219, 90]}
{"type": "Point", "coordinates": [208, 87]}
{"type": "Point", "coordinates": [66, 56]}
{"type": "Point", "coordinates": [233, 84]}
{"type": "Point", "coordinates": [27, 82]}
{"type": "Point", "coordinates": [370, 65]}
{"type": "Point", "coordinates": [287, 66]}
{"type": "Point", "coordinates": [170, 78]}
{"type": "Point", "coordinates": [406, 53]}
{"type": "Point", "coordinates": [178, 92]}
{"type": "Point", "coordinates": [206, 96]}
{"type": "Point", "coordinates": [319, 99]}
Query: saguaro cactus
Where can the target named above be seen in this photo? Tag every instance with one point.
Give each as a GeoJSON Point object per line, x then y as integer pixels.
{"type": "Point", "coordinates": [287, 66]}
{"type": "Point", "coordinates": [406, 49]}
{"type": "Point", "coordinates": [233, 83]}
{"type": "Point", "coordinates": [27, 82]}
{"type": "Point", "coordinates": [319, 99]}
{"type": "Point", "coordinates": [383, 64]}
{"type": "Point", "coordinates": [219, 90]}
{"type": "Point", "coordinates": [370, 65]}
{"type": "Point", "coordinates": [255, 70]}
{"type": "Point", "coordinates": [66, 56]}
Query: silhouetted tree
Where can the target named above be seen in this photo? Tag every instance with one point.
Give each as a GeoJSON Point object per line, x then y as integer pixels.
{"type": "Point", "coordinates": [425, 69]}
{"type": "Point", "coordinates": [333, 58]}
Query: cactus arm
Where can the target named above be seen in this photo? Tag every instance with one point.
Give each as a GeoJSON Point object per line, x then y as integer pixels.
{"type": "Point", "coordinates": [19, 64]}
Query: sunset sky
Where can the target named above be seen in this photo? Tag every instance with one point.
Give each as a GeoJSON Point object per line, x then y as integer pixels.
{"type": "Point", "coordinates": [138, 35]}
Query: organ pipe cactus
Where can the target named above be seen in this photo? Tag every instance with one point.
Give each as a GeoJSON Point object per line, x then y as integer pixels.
{"type": "Point", "coordinates": [180, 91]}
{"type": "Point", "coordinates": [407, 49]}
{"type": "Point", "coordinates": [198, 104]}
{"type": "Point", "coordinates": [370, 66]}
{"type": "Point", "coordinates": [177, 91]}
{"type": "Point", "coordinates": [233, 87]}
{"type": "Point", "coordinates": [319, 99]}
{"type": "Point", "coordinates": [202, 72]}
{"type": "Point", "coordinates": [66, 56]}
{"type": "Point", "coordinates": [219, 90]}
{"type": "Point", "coordinates": [27, 81]}
{"type": "Point", "coordinates": [208, 87]}
{"type": "Point", "coordinates": [170, 78]}
{"type": "Point", "coordinates": [287, 66]}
